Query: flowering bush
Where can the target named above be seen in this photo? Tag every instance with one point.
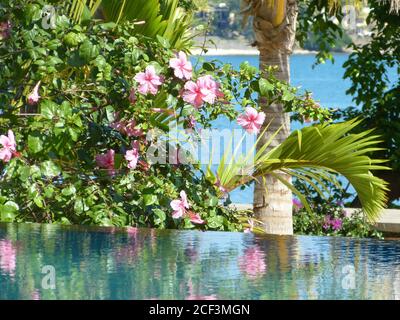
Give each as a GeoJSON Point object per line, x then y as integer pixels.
{"type": "Point", "coordinates": [83, 104]}
{"type": "Point", "coordinates": [332, 220]}
{"type": "Point", "coordinates": [329, 215]}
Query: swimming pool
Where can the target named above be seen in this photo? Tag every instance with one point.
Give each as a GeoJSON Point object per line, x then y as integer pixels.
{"type": "Point", "coordinates": [75, 262]}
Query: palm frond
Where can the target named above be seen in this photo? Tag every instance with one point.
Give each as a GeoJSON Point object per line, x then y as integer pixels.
{"type": "Point", "coordinates": [162, 18]}
{"type": "Point", "coordinates": [315, 155]}
{"type": "Point", "coordinates": [82, 9]}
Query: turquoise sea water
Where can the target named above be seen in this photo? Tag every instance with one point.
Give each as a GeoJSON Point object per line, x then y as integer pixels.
{"type": "Point", "coordinates": [72, 262]}
{"type": "Point", "coordinates": [325, 81]}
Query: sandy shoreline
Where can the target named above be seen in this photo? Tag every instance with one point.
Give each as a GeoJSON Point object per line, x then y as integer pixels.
{"type": "Point", "coordinates": [240, 52]}
{"type": "Point", "coordinates": [248, 52]}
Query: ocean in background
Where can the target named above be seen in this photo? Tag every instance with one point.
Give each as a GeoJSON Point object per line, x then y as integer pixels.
{"type": "Point", "coordinates": [325, 81]}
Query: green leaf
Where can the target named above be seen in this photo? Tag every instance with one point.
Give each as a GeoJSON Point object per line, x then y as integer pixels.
{"type": "Point", "coordinates": [208, 66]}
{"type": "Point", "coordinates": [69, 191]}
{"type": "Point", "coordinates": [49, 169]}
{"type": "Point", "coordinates": [161, 216]}
{"type": "Point", "coordinates": [211, 202]}
{"type": "Point", "coordinates": [164, 42]}
{"type": "Point", "coordinates": [38, 201]}
{"type": "Point", "coordinates": [88, 51]}
{"type": "Point", "coordinates": [287, 96]}
{"type": "Point", "coordinates": [8, 211]}
{"type": "Point", "coordinates": [35, 145]}
{"type": "Point", "coordinates": [265, 86]}
{"type": "Point", "coordinates": [48, 109]}
{"type": "Point", "coordinates": [149, 199]}
{"type": "Point", "coordinates": [215, 222]}
{"type": "Point", "coordinates": [71, 39]}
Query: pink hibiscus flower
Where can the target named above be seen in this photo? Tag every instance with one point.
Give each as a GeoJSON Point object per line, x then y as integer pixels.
{"type": "Point", "coordinates": [127, 127]}
{"type": "Point", "coordinates": [34, 97]}
{"type": "Point", "coordinates": [182, 67]}
{"type": "Point", "coordinates": [192, 94]}
{"type": "Point", "coordinates": [106, 160]}
{"type": "Point", "coordinates": [210, 89]}
{"type": "Point", "coordinates": [9, 146]}
{"type": "Point", "coordinates": [179, 206]}
{"type": "Point", "coordinates": [205, 89]}
{"type": "Point", "coordinates": [132, 156]}
{"type": "Point", "coordinates": [195, 218]}
{"type": "Point", "coordinates": [251, 120]}
{"type": "Point", "coordinates": [148, 81]}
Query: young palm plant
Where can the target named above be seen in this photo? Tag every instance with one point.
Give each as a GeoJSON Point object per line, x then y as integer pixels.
{"type": "Point", "coordinates": [311, 154]}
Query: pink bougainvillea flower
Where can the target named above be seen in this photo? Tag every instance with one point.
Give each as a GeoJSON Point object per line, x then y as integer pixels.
{"type": "Point", "coordinates": [251, 120]}
{"type": "Point", "coordinates": [182, 67]}
{"type": "Point", "coordinates": [9, 146]}
{"type": "Point", "coordinates": [8, 257]}
{"type": "Point", "coordinates": [252, 263]}
{"type": "Point", "coordinates": [327, 222]}
{"type": "Point", "coordinates": [132, 156]}
{"type": "Point", "coordinates": [336, 224]}
{"type": "Point", "coordinates": [132, 96]}
{"type": "Point", "coordinates": [179, 206]}
{"type": "Point", "coordinates": [195, 218]}
{"type": "Point", "coordinates": [149, 81]}
{"type": "Point", "coordinates": [106, 161]}
{"type": "Point", "coordinates": [34, 97]}
{"type": "Point", "coordinates": [297, 205]}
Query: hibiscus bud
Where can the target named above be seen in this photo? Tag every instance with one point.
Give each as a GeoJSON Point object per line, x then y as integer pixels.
{"type": "Point", "coordinates": [34, 97]}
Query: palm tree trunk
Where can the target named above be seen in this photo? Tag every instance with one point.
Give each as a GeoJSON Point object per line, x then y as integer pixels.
{"type": "Point", "coordinates": [274, 29]}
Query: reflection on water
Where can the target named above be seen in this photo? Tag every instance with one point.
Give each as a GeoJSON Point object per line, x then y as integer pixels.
{"type": "Point", "coordinates": [111, 263]}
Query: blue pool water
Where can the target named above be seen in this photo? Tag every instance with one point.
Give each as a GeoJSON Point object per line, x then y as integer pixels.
{"type": "Point", "coordinates": [325, 81]}
{"type": "Point", "coordinates": [72, 262]}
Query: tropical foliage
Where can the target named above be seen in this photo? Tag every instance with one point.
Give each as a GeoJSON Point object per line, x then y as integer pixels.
{"type": "Point", "coordinates": [85, 108]}
{"type": "Point", "coordinates": [312, 153]}
{"type": "Point", "coordinates": [154, 18]}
